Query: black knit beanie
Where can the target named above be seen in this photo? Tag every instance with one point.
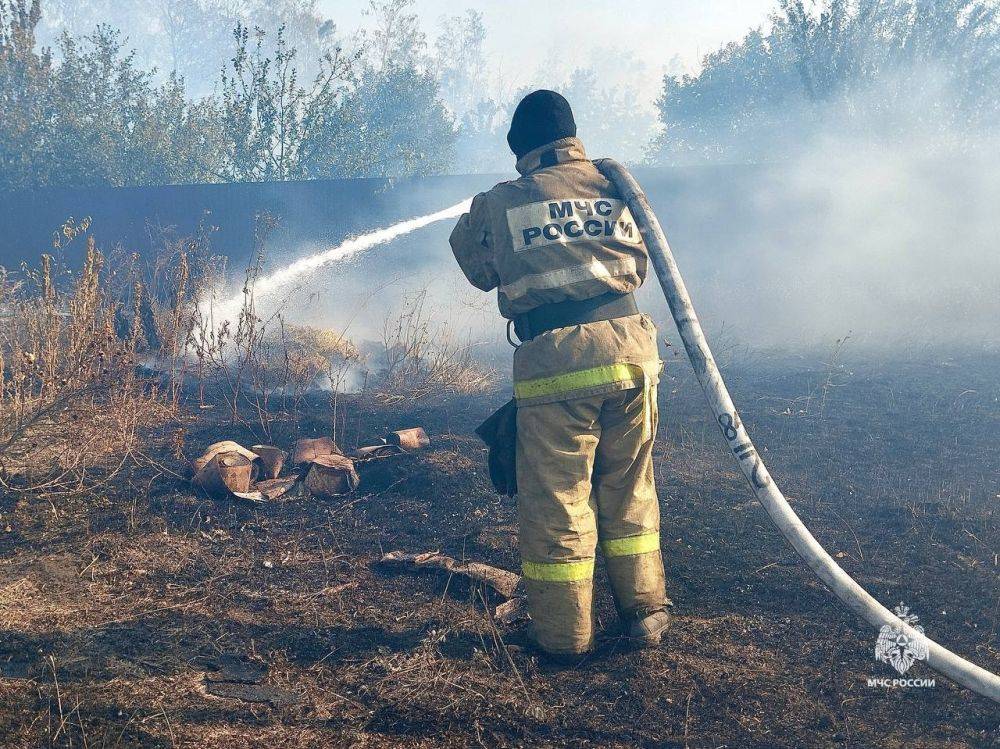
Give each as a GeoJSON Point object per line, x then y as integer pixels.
{"type": "Point", "coordinates": [541, 117]}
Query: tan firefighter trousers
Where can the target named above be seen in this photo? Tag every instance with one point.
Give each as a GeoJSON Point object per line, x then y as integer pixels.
{"type": "Point", "coordinates": [585, 474]}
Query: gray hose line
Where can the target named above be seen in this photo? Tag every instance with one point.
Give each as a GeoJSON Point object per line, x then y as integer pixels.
{"type": "Point", "coordinates": [782, 515]}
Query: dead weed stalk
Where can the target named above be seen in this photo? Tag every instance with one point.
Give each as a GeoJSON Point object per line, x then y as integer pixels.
{"type": "Point", "coordinates": [422, 359]}
{"type": "Point", "coordinates": [72, 389]}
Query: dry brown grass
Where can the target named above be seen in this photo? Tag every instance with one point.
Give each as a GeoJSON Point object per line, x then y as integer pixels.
{"type": "Point", "coordinates": [423, 358]}
{"type": "Point", "coordinates": [260, 367]}
{"type": "Point", "coordinates": [72, 396]}
{"type": "Point", "coordinates": [93, 358]}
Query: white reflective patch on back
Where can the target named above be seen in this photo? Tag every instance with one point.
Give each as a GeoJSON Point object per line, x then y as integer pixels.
{"type": "Point", "coordinates": [556, 279]}
{"type": "Point", "coordinates": [569, 220]}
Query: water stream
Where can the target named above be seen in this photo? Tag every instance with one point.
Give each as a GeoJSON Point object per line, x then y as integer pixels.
{"type": "Point", "coordinates": [281, 280]}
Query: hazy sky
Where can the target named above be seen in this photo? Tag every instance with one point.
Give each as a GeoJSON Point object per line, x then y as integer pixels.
{"type": "Point", "coordinates": [524, 35]}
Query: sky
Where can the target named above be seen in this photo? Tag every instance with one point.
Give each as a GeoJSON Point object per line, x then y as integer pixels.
{"type": "Point", "coordinates": [526, 36]}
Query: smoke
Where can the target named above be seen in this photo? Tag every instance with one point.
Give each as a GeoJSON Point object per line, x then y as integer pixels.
{"type": "Point", "coordinates": [883, 227]}
{"type": "Point", "coordinates": [894, 244]}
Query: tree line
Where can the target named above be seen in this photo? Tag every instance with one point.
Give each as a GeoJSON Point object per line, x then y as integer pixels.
{"type": "Point", "coordinates": [89, 113]}
{"type": "Point", "coordinates": [294, 101]}
{"type": "Point", "coordinates": [861, 71]}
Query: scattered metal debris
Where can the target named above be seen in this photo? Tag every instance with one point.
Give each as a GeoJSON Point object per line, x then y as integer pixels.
{"type": "Point", "coordinates": [227, 469]}
{"type": "Point", "coordinates": [270, 490]}
{"type": "Point", "coordinates": [308, 450]}
{"type": "Point", "coordinates": [409, 439]}
{"type": "Point", "coordinates": [272, 460]}
{"type": "Point", "coordinates": [332, 476]}
{"type": "Point", "coordinates": [376, 452]}
{"type": "Point", "coordinates": [395, 443]}
{"type": "Point", "coordinates": [219, 448]}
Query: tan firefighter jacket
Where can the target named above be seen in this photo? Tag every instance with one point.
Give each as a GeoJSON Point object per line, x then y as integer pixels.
{"type": "Point", "coordinates": [561, 232]}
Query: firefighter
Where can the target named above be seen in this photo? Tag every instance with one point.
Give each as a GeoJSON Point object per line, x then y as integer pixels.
{"type": "Point", "coordinates": [565, 255]}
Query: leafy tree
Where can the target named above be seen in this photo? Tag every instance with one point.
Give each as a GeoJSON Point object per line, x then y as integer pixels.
{"type": "Point", "coordinates": [350, 121]}
{"type": "Point", "coordinates": [91, 114]}
{"type": "Point", "coordinates": [271, 121]}
{"type": "Point", "coordinates": [461, 62]}
{"type": "Point", "coordinates": [94, 118]}
{"type": "Point", "coordinates": [24, 75]}
{"type": "Point", "coordinates": [391, 123]}
{"type": "Point", "coordinates": [111, 125]}
{"type": "Point", "coordinates": [871, 67]}
{"type": "Point", "coordinates": [192, 38]}
{"type": "Point", "coordinates": [390, 120]}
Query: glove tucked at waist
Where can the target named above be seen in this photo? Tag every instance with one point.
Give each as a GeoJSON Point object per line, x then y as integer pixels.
{"type": "Point", "coordinates": [499, 432]}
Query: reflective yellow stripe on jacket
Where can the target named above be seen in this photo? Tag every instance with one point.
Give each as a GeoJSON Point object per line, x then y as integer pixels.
{"type": "Point", "coordinates": [579, 380]}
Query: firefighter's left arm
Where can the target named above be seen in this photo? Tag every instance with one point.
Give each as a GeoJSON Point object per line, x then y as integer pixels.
{"type": "Point", "coordinates": [472, 243]}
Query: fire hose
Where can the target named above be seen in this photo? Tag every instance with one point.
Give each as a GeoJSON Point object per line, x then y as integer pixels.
{"type": "Point", "coordinates": [740, 445]}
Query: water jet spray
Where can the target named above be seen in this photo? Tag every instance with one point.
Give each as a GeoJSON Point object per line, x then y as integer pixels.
{"type": "Point", "coordinates": [264, 286]}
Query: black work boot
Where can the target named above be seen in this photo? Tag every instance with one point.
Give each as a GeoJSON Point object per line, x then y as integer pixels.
{"type": "Point", "coordinates": [647, 629]}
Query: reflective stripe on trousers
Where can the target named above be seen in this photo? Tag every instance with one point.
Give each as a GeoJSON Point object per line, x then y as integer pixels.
{"type": "Point", "coordinates": [566, 572]}
{"type": "Point", "coordinates": [558, 572]}
{"type": "Point", "coordinates": [628, 547]}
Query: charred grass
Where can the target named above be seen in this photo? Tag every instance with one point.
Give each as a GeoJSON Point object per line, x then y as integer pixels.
{"type": "Point", "coordinates": [118, 605]}
{"type": "Point", "coordinates": [136, 612]}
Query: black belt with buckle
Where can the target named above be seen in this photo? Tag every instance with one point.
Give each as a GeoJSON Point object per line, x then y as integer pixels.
{"type": "Point", "coordinates": [573, 312]}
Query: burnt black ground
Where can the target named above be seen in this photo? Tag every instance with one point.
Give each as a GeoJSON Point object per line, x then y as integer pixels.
{"type": "Point", "coordinates": [114, 607]}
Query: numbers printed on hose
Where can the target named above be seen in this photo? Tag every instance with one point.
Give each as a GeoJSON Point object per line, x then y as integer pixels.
{"type": "Point", "coordinates": [731, 425]}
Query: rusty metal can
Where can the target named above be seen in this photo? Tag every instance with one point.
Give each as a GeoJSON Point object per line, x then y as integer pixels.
{"type": "Point", "coordinates": [409, 439]}
{"type": "Point", "coordinates": [226, 473]}
{"type": "Point", "coordinates": [332, 476]}
{"type": "Point", "coordinates": [308, 450]}
{"type": "Point", "coordinates": [272, 460]}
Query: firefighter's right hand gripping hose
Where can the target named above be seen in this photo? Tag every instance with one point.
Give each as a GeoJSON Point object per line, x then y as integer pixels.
{"type": "Point", "coordinates": [738, 440]}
